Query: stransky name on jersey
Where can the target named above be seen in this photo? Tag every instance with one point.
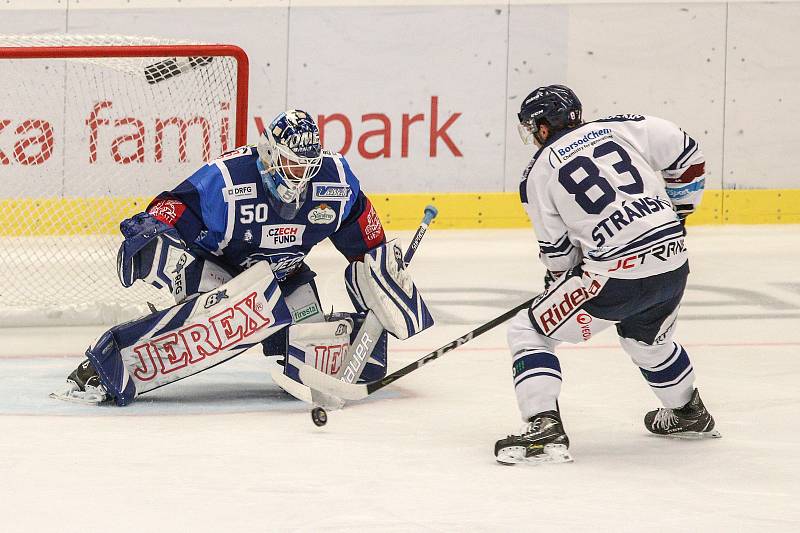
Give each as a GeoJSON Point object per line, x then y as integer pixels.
{"type": "Point", "coordinates": [189, 345]}
{"type": "Point", "coordinates": [619, 218]}
{"type": "Point", "coordinates": [282, 235]}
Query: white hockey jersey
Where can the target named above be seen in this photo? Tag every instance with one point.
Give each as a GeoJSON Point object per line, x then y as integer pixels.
{"type": "Point", "coordinates": [609, 193]}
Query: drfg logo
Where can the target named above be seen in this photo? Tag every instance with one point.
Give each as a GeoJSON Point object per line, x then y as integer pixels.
{"type": "Point", "coordinates": [244, 191]}
{"type": "Point", "coordinates": [194, 342]}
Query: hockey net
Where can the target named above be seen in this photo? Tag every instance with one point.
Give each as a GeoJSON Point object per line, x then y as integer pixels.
{"type": "Point", "coordinates": [91, 128]}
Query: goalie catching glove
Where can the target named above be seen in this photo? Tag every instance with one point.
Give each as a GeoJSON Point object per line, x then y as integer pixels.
{"type": "Point", "coordinates": [382, 284]}
{"type": "Point", "coordinates": [154, 253]}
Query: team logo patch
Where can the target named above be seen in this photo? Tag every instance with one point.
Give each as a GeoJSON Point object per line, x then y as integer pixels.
{"type": "Point", "coordinates": [244, 191]}
{"type": "Point", "coordinates": [371, 227]}
{"type": "Point", "coordinates": [282, 235]}
{"type": "Point", "coordinates": [168, 211]}
{"type": "Point", "coordinates": [583, 322]}
{"type": "Point", "coordinates": [215, 297]}
{"type": "Point", "coordinates": [331, 191]}
{"type": "Point", "coordinates": [184, 258]}
{"type": "Point", "coordinates": [322, 215]}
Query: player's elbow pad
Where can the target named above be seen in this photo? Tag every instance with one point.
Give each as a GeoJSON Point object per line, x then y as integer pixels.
{"type": "Point", "coordinates": [685, 187]}
{"type": "Point", "coordinates": [381, 283]}
{"type": "Point", "coordinates": [151, 249]}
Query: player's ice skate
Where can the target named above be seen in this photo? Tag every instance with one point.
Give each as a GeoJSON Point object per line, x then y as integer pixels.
{"type": "Point", "coordinates": [692, 421]}
{"type": "Point", "coordinates": [82, 386]}
{"type": "Point", "coordinates": [544, 441]}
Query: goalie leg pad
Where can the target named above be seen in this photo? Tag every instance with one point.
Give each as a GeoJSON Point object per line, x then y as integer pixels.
{"type": "Point", "coordinates": [319, 344]}
{"type": "Point", "coordinates": [382, 284]}
{"type": "Point", "coordinates": [190, 337]}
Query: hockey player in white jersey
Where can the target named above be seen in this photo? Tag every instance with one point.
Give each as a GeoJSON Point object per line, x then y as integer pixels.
{"type": "Point", "coordinates": [608, 200]}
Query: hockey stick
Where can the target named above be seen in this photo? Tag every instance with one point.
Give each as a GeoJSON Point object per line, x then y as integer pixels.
{"type": "Point", "coordinates": [330, 385]}
{"type": "Point", "coordinates": [428, 216]}
{"type": "Point", "coordinates": [364, 343]}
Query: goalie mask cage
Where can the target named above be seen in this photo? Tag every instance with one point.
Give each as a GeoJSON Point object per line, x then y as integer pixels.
{"type": "Point", "coordinates": [91, 129]}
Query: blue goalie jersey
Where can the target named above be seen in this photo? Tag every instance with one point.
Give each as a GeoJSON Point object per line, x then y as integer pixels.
{"type": "Point", "coordinates": [223, 210]}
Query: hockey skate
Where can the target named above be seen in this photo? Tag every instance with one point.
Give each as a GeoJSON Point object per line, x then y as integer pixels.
{"type": "Point", "coordinates": [82, 386]}
{"type": "Point", "coordinates": [543, 441]}
{"type": "Point", "coordinates": [692, 421]}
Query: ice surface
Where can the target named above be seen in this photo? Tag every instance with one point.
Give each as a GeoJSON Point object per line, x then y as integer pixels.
{"type": "Point", "coordinates": [227, 451]}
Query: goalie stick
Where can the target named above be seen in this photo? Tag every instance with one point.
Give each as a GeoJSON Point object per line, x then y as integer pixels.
{"type": "Point", "coordinates": [332, 386]}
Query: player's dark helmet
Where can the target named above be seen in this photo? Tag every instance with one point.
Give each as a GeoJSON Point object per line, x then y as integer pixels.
{"type": "Point", "coordinates": [554, 105]}
{"type": "Point", "coordinates": [290, 155]}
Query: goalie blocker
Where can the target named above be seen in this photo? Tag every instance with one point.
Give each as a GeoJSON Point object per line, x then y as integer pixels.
{"type": "Point", "coordinates": [353, 346]}
{"type": "Point", "coordinates": [381, 284]}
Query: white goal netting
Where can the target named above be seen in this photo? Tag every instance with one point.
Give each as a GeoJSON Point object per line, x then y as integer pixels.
{"type": "Point", "coordinates": [91, 128]}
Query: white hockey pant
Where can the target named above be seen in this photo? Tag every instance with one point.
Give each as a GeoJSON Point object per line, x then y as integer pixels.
{"type": "Point", "coordinates": [562, 313]}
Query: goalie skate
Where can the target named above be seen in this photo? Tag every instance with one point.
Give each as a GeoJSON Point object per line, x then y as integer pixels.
{"type": "Point", "coordinates": [543, 441]}
{"type": "Point", "coordinates": [82, 386]}
{"type": "Point", "coordinates": [70, 392]}
{"type": "Point", "coordinates": [551, 453]}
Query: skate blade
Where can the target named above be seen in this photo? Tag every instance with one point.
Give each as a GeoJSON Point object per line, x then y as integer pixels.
{"type": "Point", "coordinates": [552, 453]}
{"type": "Point", "coordinates": [78, 397]}
{"type": "Point", "coordinates": [695, 435]}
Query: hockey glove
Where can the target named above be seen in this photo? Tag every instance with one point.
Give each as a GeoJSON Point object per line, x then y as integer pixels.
{"type": "Point", "coordinates": [149, 244]}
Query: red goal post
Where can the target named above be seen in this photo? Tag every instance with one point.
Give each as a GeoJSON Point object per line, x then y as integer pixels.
{"type": "Point", "coordinates": [133, 51]}
{"type": "Point", "coordinates": [91, 128]}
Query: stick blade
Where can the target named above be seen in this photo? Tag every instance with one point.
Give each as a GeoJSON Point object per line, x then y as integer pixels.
{"type": "Point", "coordinates": [332, 386]}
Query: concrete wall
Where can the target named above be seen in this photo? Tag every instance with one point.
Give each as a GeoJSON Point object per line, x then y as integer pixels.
{"type": "Point", "coordinates": [454, 73]}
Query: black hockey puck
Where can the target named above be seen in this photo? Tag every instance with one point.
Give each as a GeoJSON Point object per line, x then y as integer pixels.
{"type": "Point", "coordinates": [319, 416]}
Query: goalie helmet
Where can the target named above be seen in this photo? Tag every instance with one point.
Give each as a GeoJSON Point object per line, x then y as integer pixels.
{"type": "Point", "coordinates": [290, 155]}
{"type": "Point", "coordinates": [554, 105]}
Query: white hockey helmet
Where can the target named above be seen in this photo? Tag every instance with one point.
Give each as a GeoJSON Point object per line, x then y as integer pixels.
{"type": "Point", "coordinates": [290, 155]}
